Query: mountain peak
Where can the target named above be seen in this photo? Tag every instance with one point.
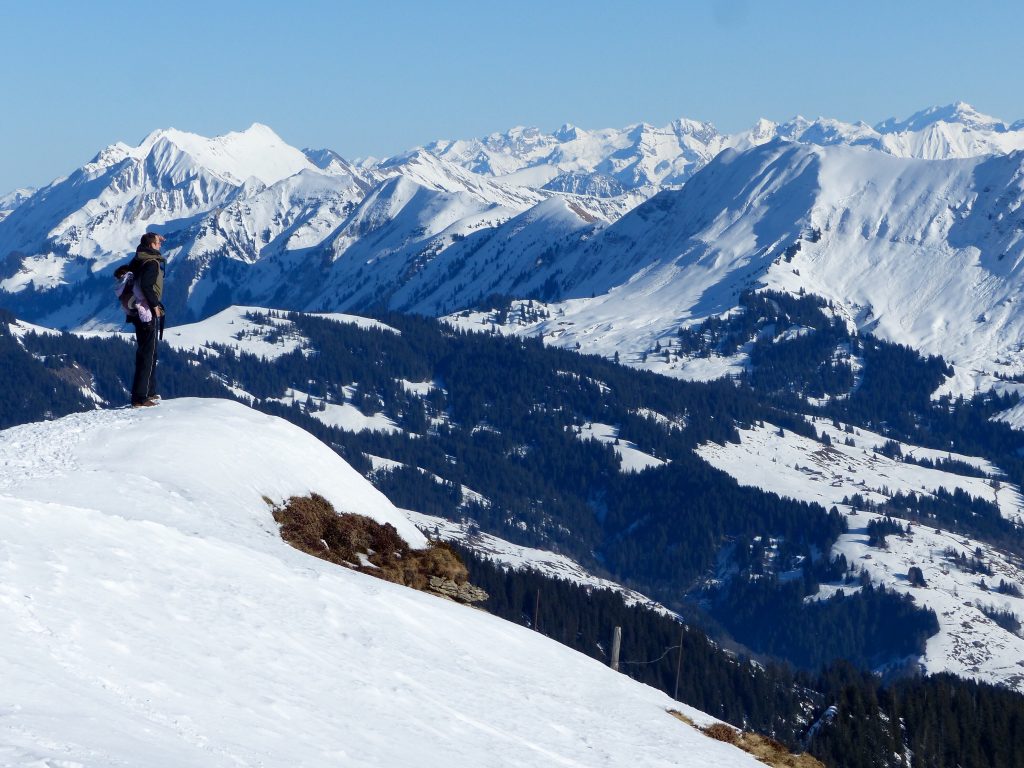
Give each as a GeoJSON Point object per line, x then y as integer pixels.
{"type": "Point", "coordinates": [959, 112]}
{"type": "Point", "coordinates": [235, 156]}
{"type": "Point", "coordinates": [568, 132]}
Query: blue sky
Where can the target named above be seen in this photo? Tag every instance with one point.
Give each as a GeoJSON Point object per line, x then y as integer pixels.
{"type": "Point", "coordinates": [377, 78]}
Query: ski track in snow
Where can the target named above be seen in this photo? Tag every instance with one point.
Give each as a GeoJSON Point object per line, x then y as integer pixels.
{"type": "Point", "coordinates": [151, 615]}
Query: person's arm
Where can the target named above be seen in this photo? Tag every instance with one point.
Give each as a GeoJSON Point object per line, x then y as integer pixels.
{"type": "Point", "coordinates": [147, 280]}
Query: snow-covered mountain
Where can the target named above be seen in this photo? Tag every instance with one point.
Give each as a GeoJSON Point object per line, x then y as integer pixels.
{"type": "Point", "coordinates": [153, 615]}
{"type": "Point", "coordinates": [911, 227]}
{"type": "Point", "coordinates": [12, 200]}
{"type": "Point", "coordinates": [247, 218]}
{"type": "Point", "coordinates": [613, 160]}
{"type": "Point", "coordinates": [608, 162]}
{"type": "Point", "coordinates": [920, 252]}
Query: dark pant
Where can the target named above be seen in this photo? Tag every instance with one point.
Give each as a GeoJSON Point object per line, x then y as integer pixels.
{"type": "Point", "coordinates": [144, 382]}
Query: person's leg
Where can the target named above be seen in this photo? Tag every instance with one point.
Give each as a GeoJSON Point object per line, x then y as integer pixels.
{"type": "Point", "coordinates": [145, 352]}
{"type": "Point", "coordinates": [151, 389]}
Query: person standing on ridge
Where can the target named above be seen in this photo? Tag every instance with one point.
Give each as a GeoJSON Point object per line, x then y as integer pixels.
{"type": "Point", "coordinates": [148, 269]}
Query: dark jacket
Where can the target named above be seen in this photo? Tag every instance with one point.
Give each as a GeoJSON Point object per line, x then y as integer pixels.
{"type": "Point", "coordinates": [147, 267]}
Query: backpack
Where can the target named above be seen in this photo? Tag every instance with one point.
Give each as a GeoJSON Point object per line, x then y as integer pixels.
{"type": "Point", "coordinates": [129, 294]}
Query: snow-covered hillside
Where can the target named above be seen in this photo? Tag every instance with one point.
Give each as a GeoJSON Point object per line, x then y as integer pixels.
{"type": "Point", "coordinates": [152, 615]}
{"type": "Point", "coordinates": [969, 642]}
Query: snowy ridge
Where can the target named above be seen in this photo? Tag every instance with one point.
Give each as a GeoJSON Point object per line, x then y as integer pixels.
{"type": "Point", "coordinates": [256, 152]}
{"type": "Point", "coordinates": [610, 161]}
{"type": "Point", "coordinates": [12, 200]}
{"type": "Point", "coordinates": [165, 600]}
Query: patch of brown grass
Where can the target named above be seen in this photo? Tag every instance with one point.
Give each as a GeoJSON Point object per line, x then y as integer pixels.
{"type": "Point", "coordinates": [311, 524]}
{"type": "Point", "coordinates": [722, 732]}
{"type": "Point", "coordinates": [773, 753]}
{"type": "Point", "coordinates": [680, 716]}
{"type": "Point", "coordinates": [764, 748]}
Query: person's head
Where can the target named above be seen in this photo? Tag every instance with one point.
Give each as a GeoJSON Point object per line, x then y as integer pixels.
{"type": "Point", "coordinates": [152, 240]}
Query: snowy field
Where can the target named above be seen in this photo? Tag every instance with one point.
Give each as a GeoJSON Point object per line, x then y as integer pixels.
{"type": "Point", "coordinates": [342, 415]}
{"type": "Point", "coordinates": [631, 458]}
{"type": "Point", "coordinates": [801, 468]}
{"type": "Point", "coordinates": [968, 643]}
{"type": "Point", "coordinates": [231, 328]}
{"type": "Point", "coordinates": [151, 615]}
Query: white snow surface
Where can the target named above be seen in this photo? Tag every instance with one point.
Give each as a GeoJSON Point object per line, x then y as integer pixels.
{"type": "Point", "coordinates": [342, 415]}
{"type": "Point", "coordinates": [232, 328]}
{"type": "Point", "coordinates": [153, 616]}
{"type": "Point", "coordinates": [631, 458]}
{"type": "Point", "coordinates": [256, 152]}
{"type": "Point", "coordinates": [828, 473]}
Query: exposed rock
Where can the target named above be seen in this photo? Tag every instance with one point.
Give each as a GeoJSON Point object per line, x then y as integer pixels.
{"type": "Point", "coordinates": [462, 593]}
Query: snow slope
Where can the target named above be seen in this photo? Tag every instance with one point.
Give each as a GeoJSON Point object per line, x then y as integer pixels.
{"type": "Point", "coordinates": [152, 616]}
{"type": "Point", "coordinates": [13, 199]}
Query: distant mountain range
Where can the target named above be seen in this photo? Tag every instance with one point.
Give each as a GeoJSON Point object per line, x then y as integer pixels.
{"type": "Point", "coordinates": [912, 228]}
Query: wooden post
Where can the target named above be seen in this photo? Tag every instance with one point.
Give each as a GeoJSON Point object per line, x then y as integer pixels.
{"type": "Point", "coordinates": [536, 612]}
{"type": "Point", "coordinates": [616, 647]}
{"type": "Point", "coordinates": [679, 663]}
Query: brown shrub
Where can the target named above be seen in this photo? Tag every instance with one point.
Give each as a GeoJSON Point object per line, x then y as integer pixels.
{"type": "Point", "coordinates": [311, 524]}
{"type": "Point", "coordinates": [774, 753]}
{"type": "Point", "coordinates": [722, 732]}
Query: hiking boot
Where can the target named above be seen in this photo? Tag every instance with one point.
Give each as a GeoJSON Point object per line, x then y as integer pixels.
{"type": "Point", "coordinates": [144, 404]}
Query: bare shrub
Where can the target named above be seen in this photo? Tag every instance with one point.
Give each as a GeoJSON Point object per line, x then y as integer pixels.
{"type": "Point", "coordinates": [774, 753]}
{"type": "Point", "coordinates": [722, 732]}
{"type": "Point", "coordinates": [311, 525]}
